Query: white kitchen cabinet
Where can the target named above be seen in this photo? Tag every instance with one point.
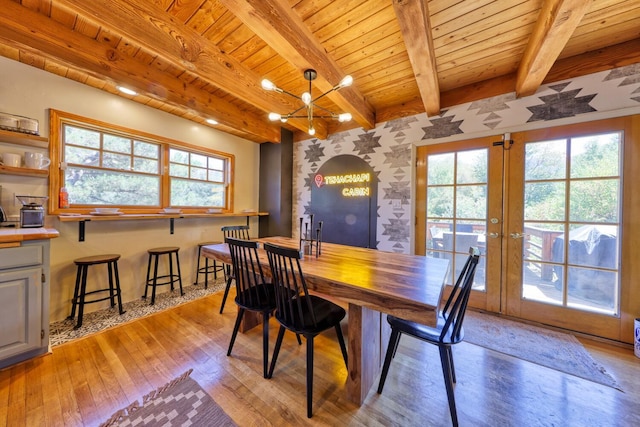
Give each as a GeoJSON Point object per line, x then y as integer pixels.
{"type": "Point", "coordinates": [24, 301]}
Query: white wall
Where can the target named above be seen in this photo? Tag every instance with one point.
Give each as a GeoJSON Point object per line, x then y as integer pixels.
{"type": "Point", "coordinates": [30, 92]}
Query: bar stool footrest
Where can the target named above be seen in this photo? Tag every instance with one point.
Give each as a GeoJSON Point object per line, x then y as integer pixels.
{"type": "Point", "coordinates": [115, 294]}
{"type": "Point", "coordinates": [170, 279]}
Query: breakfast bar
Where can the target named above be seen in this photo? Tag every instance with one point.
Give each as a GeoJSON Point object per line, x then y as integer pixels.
{"type": "Point", "coordinates": [371, 282]}
{"type": "Point", "coordinates": [82, 219]}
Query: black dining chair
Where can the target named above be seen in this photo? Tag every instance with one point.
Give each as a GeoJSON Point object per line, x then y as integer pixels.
{"type": "Point", "coordinates": [235, 232]}
{"type": "Point", "coordinates": [298, 311]}
{"type": "Point", "coordinates": [445, 334]}
{"type": "Point", "coordinates": [253, 292]}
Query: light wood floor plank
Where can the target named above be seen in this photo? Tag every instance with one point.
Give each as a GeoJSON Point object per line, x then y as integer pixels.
{"type": "Point", "coordinates": [84, 382]}
{"type": "Point", "coordinates": [66, 395]}
{"type": "Point", "coordinates": [5, 381]}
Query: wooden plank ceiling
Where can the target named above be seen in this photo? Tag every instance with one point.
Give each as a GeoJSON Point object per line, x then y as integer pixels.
{"type": "Point", "coordinates": [202, 59]}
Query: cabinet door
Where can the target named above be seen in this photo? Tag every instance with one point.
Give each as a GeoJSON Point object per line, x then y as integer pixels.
{"type": "Point", "coordinates": [20, 311]}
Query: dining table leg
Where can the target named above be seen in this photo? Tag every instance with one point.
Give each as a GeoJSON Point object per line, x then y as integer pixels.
{"type": "Point", "coordinates": [365, 361]}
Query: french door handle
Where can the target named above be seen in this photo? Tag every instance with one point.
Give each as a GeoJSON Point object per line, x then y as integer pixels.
{"type": "Point", "coordinates": [517, 235]}
{"type": "Point", "coordinates": [494, 235]}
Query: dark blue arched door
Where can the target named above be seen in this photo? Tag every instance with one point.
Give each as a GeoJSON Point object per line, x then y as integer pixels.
{"type": "Point", "coordinates": [344, 195]}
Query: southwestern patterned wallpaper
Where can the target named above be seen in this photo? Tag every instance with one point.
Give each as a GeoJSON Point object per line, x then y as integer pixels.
{"type": "Point", "coordinates": [387, 148]}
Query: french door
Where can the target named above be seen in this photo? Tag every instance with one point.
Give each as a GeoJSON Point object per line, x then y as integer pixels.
{"type": "Point", "coordinates": [458, 205]}
{"type": "Point", "coordinates": [546, 210]}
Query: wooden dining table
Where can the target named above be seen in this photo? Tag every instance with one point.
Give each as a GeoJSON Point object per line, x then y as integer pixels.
{"type": "Point", "coordinates": [373, 283]}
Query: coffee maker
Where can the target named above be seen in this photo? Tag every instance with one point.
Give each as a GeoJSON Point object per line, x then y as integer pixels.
{"type": "Point", "coordinates": [32, 211]}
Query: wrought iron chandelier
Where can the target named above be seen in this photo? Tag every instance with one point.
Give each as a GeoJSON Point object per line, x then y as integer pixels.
{"type": "Point", "coordinates": [309, 102]}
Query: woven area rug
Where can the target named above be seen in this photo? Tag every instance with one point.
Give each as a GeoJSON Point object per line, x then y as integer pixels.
{"type": "Point", "coordinates": [62, 331]}
{"type": "Point", "coordinates": [557, 350]}
{"type": "Point", "coordinates": [181, 402]}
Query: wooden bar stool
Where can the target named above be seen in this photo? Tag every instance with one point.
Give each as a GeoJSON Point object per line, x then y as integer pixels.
{"type": "Point", "coordinates": [169, 279]}
{"type": "Point", "coordinates": [213, 268]}
{"type": "Point", "coordinates": [80, 293]}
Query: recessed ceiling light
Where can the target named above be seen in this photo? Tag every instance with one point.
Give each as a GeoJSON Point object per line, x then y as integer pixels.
{"type": "Point", "coordinates": [211, 122]}
{"type": "Point", "coordinates": [127, 91]}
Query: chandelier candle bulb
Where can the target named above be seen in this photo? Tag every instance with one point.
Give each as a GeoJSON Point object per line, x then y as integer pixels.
{"type": "Point", "coordinates": [267, 85]}
{"type": "Point", "coordinates": [346, 81]}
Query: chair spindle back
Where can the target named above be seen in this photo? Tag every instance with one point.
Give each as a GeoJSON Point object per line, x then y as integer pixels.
{"type": "Point", "coordinates": [248, 272]}
{"type": "Point", "coordinates": [456, 306]}
{"type": "Point", "coordinates": [290, 284]}
{"type": "Point", "coordinates": [236, 231]}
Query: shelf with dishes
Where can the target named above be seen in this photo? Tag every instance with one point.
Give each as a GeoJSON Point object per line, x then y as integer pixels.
{"type": "Point", "coordinates": [26, 140]}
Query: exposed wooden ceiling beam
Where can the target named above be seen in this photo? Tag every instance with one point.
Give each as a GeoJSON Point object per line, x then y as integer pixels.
{"type": "Point", "coordinates": [275, 22]}
{"type": "Point", "coordinates": [557, 22]}
{"type": "Point", "coordinates": [160, 33]}
{"type": "Point", "coordinates": [35, 32]}
{"type": "Point", "coordinates": [413, 17]}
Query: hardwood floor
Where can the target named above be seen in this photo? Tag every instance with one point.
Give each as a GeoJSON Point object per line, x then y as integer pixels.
{"type": "Point", "coordinates": [83, 382]}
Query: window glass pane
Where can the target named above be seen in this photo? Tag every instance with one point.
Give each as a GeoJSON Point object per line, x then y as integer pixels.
{"type": "Point", "coordinates": [215, 163]}
{"type": "Point", "coordinates": [545, 242]}
{"type": "Point", "coordinates": [592, 290]}
{"type": "Point", "coordinates": [544, 201]}
{"type": "Point", "coordinates": [548, 292]}
{"type": "Point", "coordinates": [179, 171]}
{"type": "Point", "coordinates": [440, 202]}
{"type": "Point", "coordinates": [440, 169]}
{"type": "Point", "coordinates": [82, 137]}
{"type": "Point", "coordinates": [179, 156]}
{"type": "Point", "coordinates": [117, 144]}
{"type": "Point", "coordinates": [83, 156]}
{"type": "Point", "coordinates": [145, 165]}
{"type": "Point", "coordinates": [216, 176]}
{"type": "Point", "coordinates": [196, 193]}
{"type": "Point", "coordinates": [146, 149]}
{"type": "Point", "coordinates": [198, 160]}
{"type": "Point", "coordinates": [595, 156]}
{"type": "Point", "coordinates": [594, 200]}
{"type": "Point", "coordinates": [472, 167]}
{"type": "Point", "coordinates": [116, 161]}
{"type": "Point", "coordinates": [100, 187]}
{"type": "Point", "coordinates": [199, 173]}
{"type": "Point", "coordinates": [471, 201]}
{"type": "Point", "coordinates": [593, 246]}
{"type": "Point", "coordinates": [545, 160]}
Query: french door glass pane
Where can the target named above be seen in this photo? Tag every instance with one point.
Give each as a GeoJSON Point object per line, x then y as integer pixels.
{"type": "Point", "coordinates": [457, 208]}
{"type": "Point", "coordinates": [573, 184]}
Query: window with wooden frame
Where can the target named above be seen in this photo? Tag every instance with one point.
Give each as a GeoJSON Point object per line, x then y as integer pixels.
{"type": "Point", "coordinates": [104, 165]}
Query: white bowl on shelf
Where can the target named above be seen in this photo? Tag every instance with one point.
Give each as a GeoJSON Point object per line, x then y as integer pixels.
{"type": "Point", "coordinates": [171, 210]}
{"type": "Point", "coordinates": [106, 211]}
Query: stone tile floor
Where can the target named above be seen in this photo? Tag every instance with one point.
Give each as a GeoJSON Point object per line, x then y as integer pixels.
{"type": "Point", "coordinates": [62, 331]}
